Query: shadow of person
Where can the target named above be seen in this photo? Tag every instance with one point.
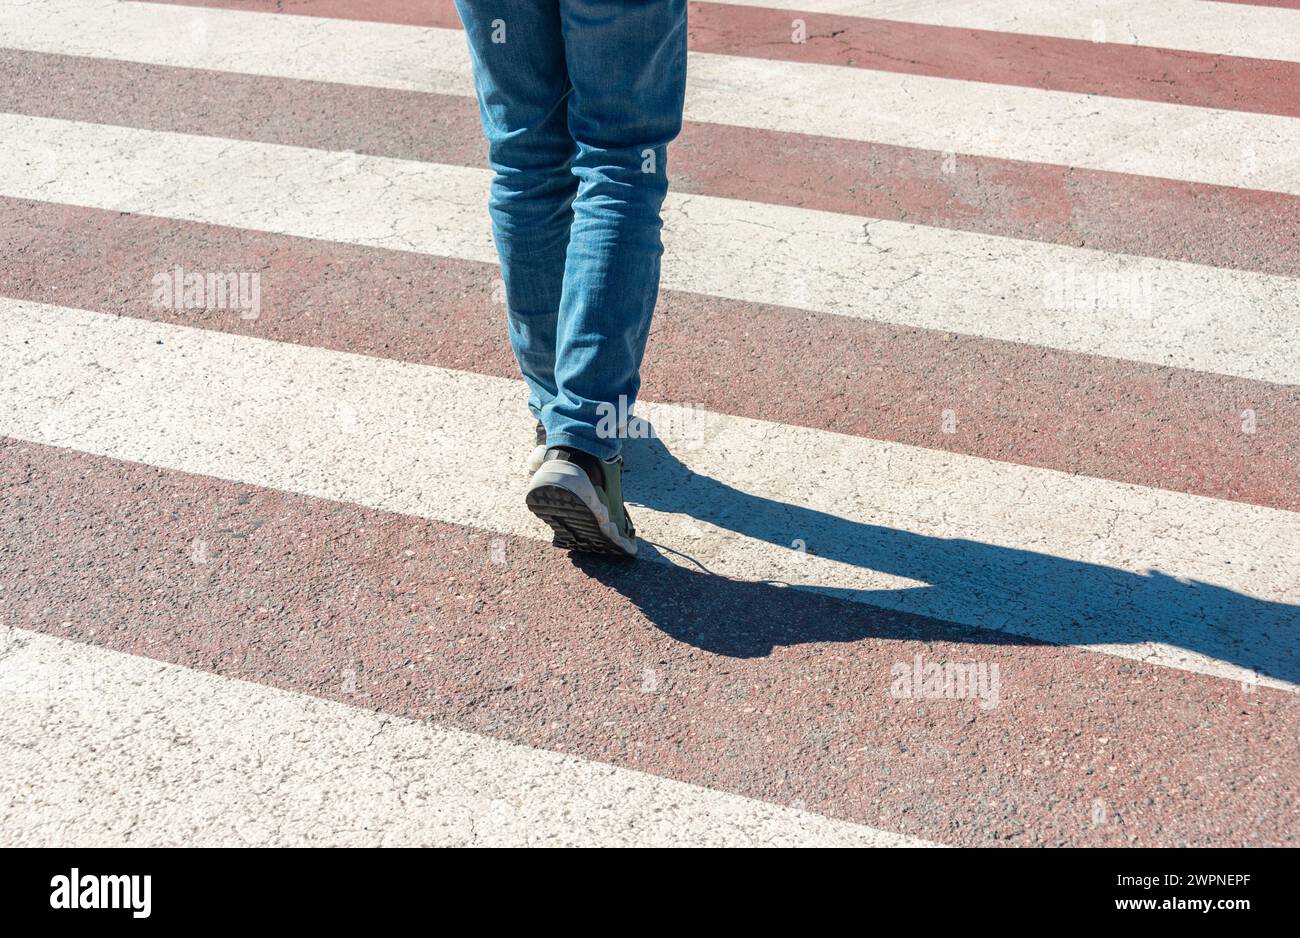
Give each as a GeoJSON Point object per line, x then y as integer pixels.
{"type": "Point", "coordinates": [972, 592]}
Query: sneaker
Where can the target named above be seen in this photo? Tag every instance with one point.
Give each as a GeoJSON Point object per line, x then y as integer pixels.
{"type": "Point", "coordinates": [581, 497]}
{"type": "Point", "coordinates": [538, 455]}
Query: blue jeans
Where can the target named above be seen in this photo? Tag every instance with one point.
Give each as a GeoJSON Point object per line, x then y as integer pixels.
{"type": "Point", "coordinates": [579, 99]}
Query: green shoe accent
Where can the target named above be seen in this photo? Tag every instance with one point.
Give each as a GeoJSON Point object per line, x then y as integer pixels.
{"type": "Point", "coordinates": [538, 454]}
{"type": "Point", "coordinates": [613, 496]}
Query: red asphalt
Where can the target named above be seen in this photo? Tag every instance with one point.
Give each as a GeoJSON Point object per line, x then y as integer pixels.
{"type": "Point", "coordinates": [768, 692]}
{"type": "Point", "coordinates": [1139, 215]}
{"type": "Point", "coordinates": [1118, 70]}
{"type": "Point", "coordinates": [1284, 4]}
{"type": "Point", "coordinates": [1132, 422]}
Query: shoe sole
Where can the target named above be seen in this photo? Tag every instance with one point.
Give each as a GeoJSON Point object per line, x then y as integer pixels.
{"type": "Point", "coordinates": [563, 497]}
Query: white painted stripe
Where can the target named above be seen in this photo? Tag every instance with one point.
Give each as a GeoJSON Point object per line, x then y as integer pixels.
{"type": "Point", "coordinates": [1190, 25]}
{"type": "Point", "coordinates": [1167, 313]}
{"type": "Point", "coordinates": [1229, 148]}
{"type": "Point", "coordinates": [1199, 144]}
{"type": "Point", "coordinates": [1175, 579]}
{"type": "Point", "coordinates": [184, 758]}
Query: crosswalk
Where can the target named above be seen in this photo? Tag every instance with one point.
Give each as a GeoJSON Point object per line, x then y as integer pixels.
{"type": "Point", "coordinates": [949, 371]}
{"type": "Point", "coordinates": [1110, 134]}
{"type": "Point", "coordinates": [1161, 312]}
{"type": "Point", "coordinates": [364, 780]}
{"type": "Point", "coordinates": [1219, 28]}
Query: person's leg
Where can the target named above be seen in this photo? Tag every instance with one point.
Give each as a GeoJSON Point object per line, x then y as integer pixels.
{"type": "Point", "coordinates": [522, 83]}
{"type": "Point", "coordinates": [627, 67]}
